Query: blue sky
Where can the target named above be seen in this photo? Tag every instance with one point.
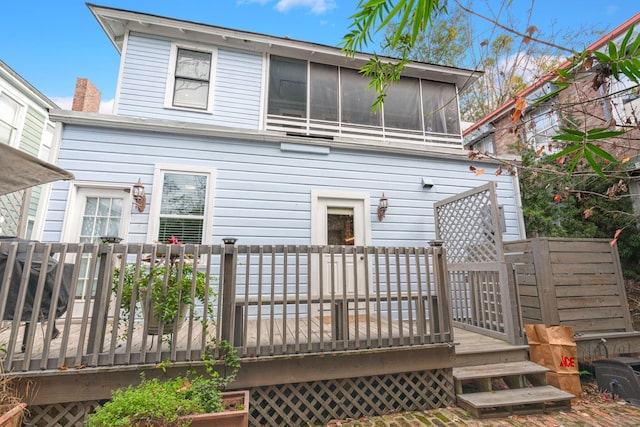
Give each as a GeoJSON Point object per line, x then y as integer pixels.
{"type": "Point", "coordinates": [50, 43]}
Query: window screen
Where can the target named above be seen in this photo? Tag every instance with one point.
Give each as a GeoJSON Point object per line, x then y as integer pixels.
{"type": "Point", "coordinates": [288, 87]}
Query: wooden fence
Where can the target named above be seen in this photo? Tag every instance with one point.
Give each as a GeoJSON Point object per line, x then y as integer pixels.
{"type": "Point", "coordinates": [264, 300]}
{"type": "Point", "coordinates": [574, 282]}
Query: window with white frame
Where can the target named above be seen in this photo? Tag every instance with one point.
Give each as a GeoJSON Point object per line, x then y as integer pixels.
{"type": "Point", "coordinates": [190, 81]}
{"type": "Point", "coordinates": [183, 204]}
{"type": "Point", "coordinates": [9, 116]}
{"type": "Point", "coordinates": [485, 145]}
{"type": "Point", "coordinates": [543, 124]}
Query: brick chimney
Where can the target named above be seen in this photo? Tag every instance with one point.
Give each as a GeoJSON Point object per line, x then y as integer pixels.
{"type": "Point", "coordinates": [86, 97]}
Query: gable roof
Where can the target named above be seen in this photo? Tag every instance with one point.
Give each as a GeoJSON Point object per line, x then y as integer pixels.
{"type": "Point", "coordinates": [509, 105]}
{"type": "Point", "coordinates": [117, 22]}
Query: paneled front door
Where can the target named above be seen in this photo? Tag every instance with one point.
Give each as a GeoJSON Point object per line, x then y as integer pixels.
{"type": "Point", "coordinates": [341, 219]}
{"type": "Point", "coordinates": [100, 212]}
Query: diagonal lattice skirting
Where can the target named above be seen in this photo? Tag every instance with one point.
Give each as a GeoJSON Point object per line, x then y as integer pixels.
{"type": "Point", "coordinates": [306, 403]}
{"type": "Point", "coordinates": [60, 414]}
{"type": "Point", "coordinates": [321, 401]}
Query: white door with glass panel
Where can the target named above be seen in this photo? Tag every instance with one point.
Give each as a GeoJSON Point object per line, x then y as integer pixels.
{"type": "Point", "coordinates": [340, 218]}
{"type": "Point", "coordinates": [101, 212]}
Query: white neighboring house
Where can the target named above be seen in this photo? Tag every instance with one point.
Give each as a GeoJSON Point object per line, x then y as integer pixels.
{"type": "Point", "coordinates": [25, 125]}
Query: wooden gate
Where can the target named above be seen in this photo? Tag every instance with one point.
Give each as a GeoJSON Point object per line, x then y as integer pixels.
{"type": "Point", "coordinates": [482, 299]}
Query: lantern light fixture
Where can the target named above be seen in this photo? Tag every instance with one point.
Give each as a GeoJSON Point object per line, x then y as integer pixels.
{"type": "Point", "coordinates": [383, 204]}
{"type": "Point", "coordinates": [139, 196]}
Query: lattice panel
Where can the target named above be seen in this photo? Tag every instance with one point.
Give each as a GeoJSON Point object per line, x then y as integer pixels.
{"type": "Point", "coordinates": [318, 402]}
{"type": "Point", "coordinates": [60, 414]}
{"type": "Point", "coordinates": [466, 227]}
{"type": "Point", "coordinates": [10, 208]}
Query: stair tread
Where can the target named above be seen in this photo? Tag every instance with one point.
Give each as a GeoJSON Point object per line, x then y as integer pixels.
{"type": "Point", "coordinates": [520, 396]}
{"type": "Point", "coordinates": [498, 370]}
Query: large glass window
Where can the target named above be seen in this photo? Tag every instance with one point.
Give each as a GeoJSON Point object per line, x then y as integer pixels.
{"type": "Point", "coordinates": [357, 98]}
{"type": "Point", "coordinates": [440, 105]}
{"type": "Point", "coordinates": [402, 105]}
{"type": "Point", "coordinates": [288, 87]}
{"type": "Point", "coordinates": [182, 209]}
{"type": "Point", "coordinates": [324, 92]}
{"type": "Point", "coordinates": [192, 79]}
{"type": "Point", "coordinates": [330, 93]}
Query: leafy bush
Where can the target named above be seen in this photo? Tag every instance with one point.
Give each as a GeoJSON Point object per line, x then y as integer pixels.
{"type": "Point", "coordinates": [163, 402]}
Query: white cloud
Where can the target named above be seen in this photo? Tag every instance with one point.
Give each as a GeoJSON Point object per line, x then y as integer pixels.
{"type": "Point", "coordinates": [263, 2]}
{"type": "Point", "coordinates": [612, 9]}
{"type": "Point", "coordinates": [66, 103]}
{"type": "Point", "coordinates": [317, 7]}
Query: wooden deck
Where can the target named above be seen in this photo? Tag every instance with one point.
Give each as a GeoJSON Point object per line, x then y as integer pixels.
{"type": "Point", "coordinates": [299, 337]}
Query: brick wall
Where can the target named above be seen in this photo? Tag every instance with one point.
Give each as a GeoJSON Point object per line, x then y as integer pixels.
{"type": "Point", "coordinates": [86, 97]}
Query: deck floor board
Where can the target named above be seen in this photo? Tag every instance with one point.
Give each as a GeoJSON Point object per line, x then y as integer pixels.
{"type": "Point", "coordinates": [371, 332]}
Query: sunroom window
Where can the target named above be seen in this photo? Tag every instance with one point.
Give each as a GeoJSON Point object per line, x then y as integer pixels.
{"type": "Point", "coordinates": [440, 104]}
{"type": "Point", "coordinates": [288, 87]}
{"type": "Point", "coordinates": [357, 98]}
{"type": "Point", "coordinates": [402, 105]}
{"type": "Point", "coordinates": [326, 100]}
{"type": "Point", "coordinates": [324, 92]}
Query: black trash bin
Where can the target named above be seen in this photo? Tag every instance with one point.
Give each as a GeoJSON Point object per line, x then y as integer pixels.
{"type": "Point", "coordinates": [620, 376]}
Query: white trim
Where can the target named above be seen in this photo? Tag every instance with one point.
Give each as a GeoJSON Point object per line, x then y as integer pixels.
{"type": "Point", "coordinates": [171, 75]}
{"type": "Point", "coordinates": [262, 119]}
{"type": "Point", "coordinates": [71, 225]}
{"type": "Point", "coordinates": [339, 198]}
{"type": "Point", "coordinates": [156, 199]}
{"type": "Point", "coordinates": [125, 48]}
{"type": "Point", "coordinates": [19, 118]}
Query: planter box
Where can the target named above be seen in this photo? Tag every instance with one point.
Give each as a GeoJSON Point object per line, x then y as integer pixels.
{"type": "Point", "coordinates": [153, 321]}
{"type": "Point", "coordinates": [13, 417]}
{"type": "Point", "coordinates": [230, 417]}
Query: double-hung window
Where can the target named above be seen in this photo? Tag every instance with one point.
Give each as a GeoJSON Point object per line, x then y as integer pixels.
{"type": "Point", "coordinates": [9, 115]}
{"type": "Point", "coordinates": [190, 81]}
{"type": "Point", "coordinates": [183, 204]}
{"type": "Point", "coordinates": [543, 124]}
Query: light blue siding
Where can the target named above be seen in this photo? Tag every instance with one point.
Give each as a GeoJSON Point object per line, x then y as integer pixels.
{"type": "Point", "coordinates": [263, 194]}
{"type": "Point", "coordinates": [236, 91]}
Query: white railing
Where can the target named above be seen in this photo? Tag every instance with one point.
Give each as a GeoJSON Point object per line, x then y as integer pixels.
{"type": "Point", "coordinates": [331, 130]}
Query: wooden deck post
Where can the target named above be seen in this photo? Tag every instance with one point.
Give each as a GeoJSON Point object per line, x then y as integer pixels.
{"type": "Point", "coordinates": [100, 313]}
{"type": "Point", "coordinates": [545, 282]}
{"type": "Point", "coordinates": [441, 306]}
{"type": "Point", "coordinates": [228, 291]}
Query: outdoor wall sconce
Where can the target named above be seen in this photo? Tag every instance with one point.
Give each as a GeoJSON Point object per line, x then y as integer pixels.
{"type": "Point", "coordinates": [139, 197]}
{"type": "Point", "coordinates": [383, 204]}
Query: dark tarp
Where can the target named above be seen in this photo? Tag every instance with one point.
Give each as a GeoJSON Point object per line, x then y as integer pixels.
{"type": "Point", "coordinates": [18, 268]}
{"type": "Point", "coordinates": [19, 170]}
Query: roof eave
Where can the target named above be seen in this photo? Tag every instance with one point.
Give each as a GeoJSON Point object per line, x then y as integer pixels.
{"type": "Point", "coordinates": [116, 23]}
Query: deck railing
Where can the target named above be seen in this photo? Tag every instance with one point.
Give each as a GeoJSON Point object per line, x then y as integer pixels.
{"type": "Point", "coordinates": [264, 300]}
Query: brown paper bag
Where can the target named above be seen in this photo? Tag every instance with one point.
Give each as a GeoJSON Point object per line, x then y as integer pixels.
{"type": "Point", "coordinates": [566, 382]}
{"type": "Point", "coordinates": [553, 347]}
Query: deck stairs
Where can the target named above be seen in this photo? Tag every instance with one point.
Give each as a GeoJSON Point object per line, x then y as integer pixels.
{"type": "Point", "coordinates": [503, 389]}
